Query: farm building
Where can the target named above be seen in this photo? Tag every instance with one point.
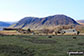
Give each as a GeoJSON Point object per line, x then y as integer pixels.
{"type": "Point", "coordinates": [69, 31]}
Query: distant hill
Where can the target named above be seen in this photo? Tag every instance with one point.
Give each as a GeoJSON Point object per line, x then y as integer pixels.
{"type": "Point", "coordinates": [80, 22]}
{"type": "Point", "coordinates": [50, 21]}
{"type": "Point", "coordinates": [5, 24]}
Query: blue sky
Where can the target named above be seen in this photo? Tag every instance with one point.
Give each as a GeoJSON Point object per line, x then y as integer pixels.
{"type": "Point", "coordinates": [14, 10]}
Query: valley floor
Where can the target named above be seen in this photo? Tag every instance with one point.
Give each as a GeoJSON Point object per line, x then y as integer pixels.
{"type": "Point", "coordinates": [35, 45]}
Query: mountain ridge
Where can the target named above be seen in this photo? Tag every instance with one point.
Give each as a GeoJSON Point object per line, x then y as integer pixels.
{"type": "Point", "coordinates": [38, 23]}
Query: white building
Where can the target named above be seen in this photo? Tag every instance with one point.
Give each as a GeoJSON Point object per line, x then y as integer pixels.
{"type": "Point", "coordinates": [69, 31]}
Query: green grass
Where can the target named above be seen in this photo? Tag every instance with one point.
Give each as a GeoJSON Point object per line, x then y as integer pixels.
{"type": "Point", "coordinates": [40, 45]}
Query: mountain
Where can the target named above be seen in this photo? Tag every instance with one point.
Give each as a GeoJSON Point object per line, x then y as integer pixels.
{"type": "Point", "coordinates": [4, 24]}
{"type": "Point", "coordinates": [50, 21]}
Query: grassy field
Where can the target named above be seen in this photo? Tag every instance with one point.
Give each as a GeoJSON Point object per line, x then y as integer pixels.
{"type": "Point", "coordinates": [40, 45]}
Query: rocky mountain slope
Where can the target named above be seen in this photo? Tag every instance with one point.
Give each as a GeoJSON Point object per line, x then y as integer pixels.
{"type": "Point", "coordinates": [50, 21]}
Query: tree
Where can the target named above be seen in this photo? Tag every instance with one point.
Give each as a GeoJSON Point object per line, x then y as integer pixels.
{"type": "Point", "coordinates": [78, 32]}
{"type": "Point", "coordinates": [29, 30]}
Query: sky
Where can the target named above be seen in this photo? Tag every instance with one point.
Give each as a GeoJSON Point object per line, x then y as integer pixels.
{"type": "Point", "coordinates": [15, 10]}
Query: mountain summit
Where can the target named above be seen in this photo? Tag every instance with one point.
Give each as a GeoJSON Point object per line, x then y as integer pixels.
{"type": "Point", "coordinates": [39, 23]}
